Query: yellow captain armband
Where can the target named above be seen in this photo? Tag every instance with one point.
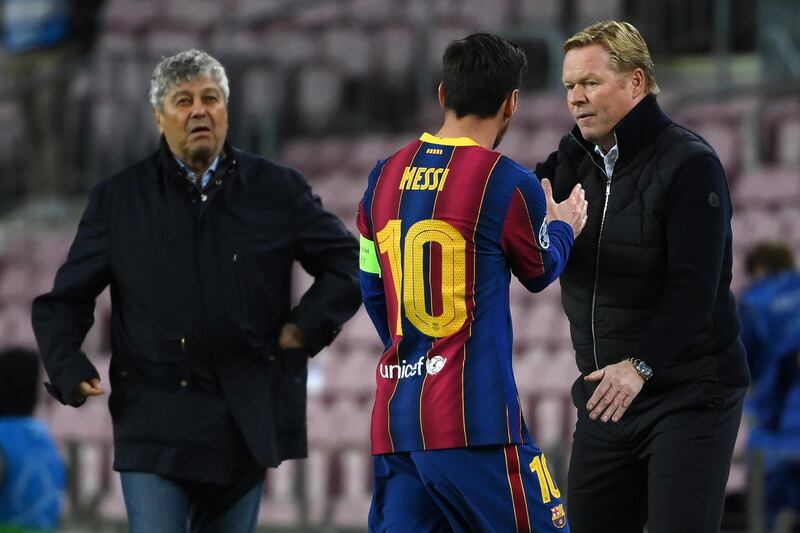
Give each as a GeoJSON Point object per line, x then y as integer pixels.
{"type": "Point", "coordinates": [367, 258]}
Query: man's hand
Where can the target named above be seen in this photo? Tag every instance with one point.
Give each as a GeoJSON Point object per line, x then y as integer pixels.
{"type": "Point", "coordinates": [88, 388]}
{"type": "Point", "coordinates": [619, 385]}
{"type": "Point", "coordinates": [290, 337]}
{"type": "Point", "coordinates": [572, 210]}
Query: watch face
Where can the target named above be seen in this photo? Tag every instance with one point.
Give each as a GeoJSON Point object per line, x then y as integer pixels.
{"type": "Point", "coordinates": [644, 370]}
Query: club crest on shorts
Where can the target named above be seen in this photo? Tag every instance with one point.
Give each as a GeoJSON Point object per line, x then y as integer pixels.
{"type": "Point", "coordinates": [559, 516]}
{"type": "Point", "coordinates": [544, 237]}
{"type": "Point", "coordinates": [435, 364]}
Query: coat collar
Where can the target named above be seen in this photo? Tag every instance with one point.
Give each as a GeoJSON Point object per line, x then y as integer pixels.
{"type": "Point", "coordinates": [167, 161]}
{"type": "Point", "coordinates": [635, 131]}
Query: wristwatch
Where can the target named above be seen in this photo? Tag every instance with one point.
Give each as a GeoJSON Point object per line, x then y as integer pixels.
{"type": "Point", "coordinates": [642, 368]}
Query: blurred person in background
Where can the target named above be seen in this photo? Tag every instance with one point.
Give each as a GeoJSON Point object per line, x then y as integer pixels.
{"type": "Point", "coordinates": [646, 291]}
{"type": "Point", "coordinates": [444, 222]}
{"type": "Point", "coordinates": [43, 43]}
{"type": "Point", "coordinates": [32, 476]}
{"type": "Point", "coordinates": [770, 311]}
{"type": "Point", "coordinates": [209, 360]}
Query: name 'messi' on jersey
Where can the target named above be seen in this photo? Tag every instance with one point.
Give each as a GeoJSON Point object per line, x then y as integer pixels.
{"type": "Point", "coordinates": [423, 178]}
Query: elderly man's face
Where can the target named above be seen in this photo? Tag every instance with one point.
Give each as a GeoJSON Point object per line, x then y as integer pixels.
{"type": "Point", "coordinates": [194, 121]}
{"type": "Point", "coordinates": [597, 95]}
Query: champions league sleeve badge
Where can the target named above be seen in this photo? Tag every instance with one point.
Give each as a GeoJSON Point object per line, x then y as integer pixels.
{"type": "Point", "coordinates": [435, 364]}
{"type": "Point", "coordinates": [544, 237]}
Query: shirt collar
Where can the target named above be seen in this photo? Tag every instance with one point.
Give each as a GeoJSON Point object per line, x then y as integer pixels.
{"type": "Point", "coordinates": [609, 158]}
{"type": "Point", "coordinates": [211, 169]}
{"type": "Point", "coordinates": [447, 141]}
{"type": "Point", "coordinates": [206, 177]}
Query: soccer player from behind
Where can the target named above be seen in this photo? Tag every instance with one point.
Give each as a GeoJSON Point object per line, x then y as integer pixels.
{"type": "Point", "coordinates": [444, 222]}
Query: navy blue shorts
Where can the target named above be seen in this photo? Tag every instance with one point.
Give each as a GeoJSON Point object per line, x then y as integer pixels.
{"type": "Point", "coordinates": [489, 488]}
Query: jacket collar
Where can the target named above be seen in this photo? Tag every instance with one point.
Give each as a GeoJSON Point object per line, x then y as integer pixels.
{"type": "Point", "coordinates": [635, 131]}
{"type": "Point", "coordinates": [167, 161]}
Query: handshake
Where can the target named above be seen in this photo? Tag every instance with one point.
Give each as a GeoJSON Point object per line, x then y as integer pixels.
{"type": "Point", "coordinates": [572, 210]}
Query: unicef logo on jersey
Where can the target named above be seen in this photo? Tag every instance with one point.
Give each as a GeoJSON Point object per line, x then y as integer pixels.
{"type": "Point", "coordinates": [544, 237]}
{"type": "Point", "coordinates": [435, 364]}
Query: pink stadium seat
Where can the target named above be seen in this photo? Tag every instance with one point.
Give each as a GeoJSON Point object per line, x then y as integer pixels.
{"type": "Point", "coordinates": [279, 506]}
{"type": "Point", "coordinates": [394, 51]}
{"type": "Point", "coordinates": [777, 114]}
{"type": "Point", "coordinates": [359, 331]}
{"type": "Point", "coordinates": [319, 93]}
{"type": "Point", "coordinates": [352, 374]}
{"type": "Point", "coordinates": [769, 186]}
{"type": "Point", "coordinates": [168, 41]}
{"type": "Point", "coordinates": [263, 90]}
{"type": "Point", "coordinates": [349, 47]}
{"type": "Point", "coordinates": [353, 422]}
{"type": "Point", "coordinates": [750, 226]}
{"type": "Point", "coordinates": [112, 505]}
{"type": "Point", "coordinates": [290, 46]}
{"type": "Point", "coordinates": [788, 142]}
{"type": "Point", "coordinates": [726, 142]}
{"type": "Point", "coordinates": [15, 281]}
{"type": "Point", "coordinates": [351, 508]}
{"type": "Point", "coordinates": [15, 325]}
{"type": "Point", "coordinates": [319, 15]}
{"type": "Point", "coordinates": [541, 12]}
{"type": "Point", "coordinates": [590, 11]}
{"type": "Point", "coordinates": [127, 14]}
{"type": "Point", "coordinates": [790, 223]}
{"type": "Point", "coordinates": [195, 14]}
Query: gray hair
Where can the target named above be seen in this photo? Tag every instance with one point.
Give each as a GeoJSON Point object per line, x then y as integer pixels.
{"type": "Point", "coordinates": [185, 66]}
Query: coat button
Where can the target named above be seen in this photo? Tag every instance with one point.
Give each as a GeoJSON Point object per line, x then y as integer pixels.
{"type": "Point", "coordinates": [184, 383]}
{"type": "Point", "coordinates": [218, 182]}
{"type": "Point", "coordinates": [124, 373]}
{"type": "Point", "coordinates": [204, 197]}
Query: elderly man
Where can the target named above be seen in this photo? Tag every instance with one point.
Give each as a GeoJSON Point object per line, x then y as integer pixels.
{"type": "Point", "coordinates": [208, 365]}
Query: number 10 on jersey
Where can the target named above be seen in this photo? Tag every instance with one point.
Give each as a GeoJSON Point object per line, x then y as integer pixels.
{"type": "Point", "coordinates": [408, 274]}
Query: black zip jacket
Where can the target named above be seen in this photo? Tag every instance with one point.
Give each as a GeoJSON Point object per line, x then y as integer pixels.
{"type": "Point", "coordinates": [650, 275]}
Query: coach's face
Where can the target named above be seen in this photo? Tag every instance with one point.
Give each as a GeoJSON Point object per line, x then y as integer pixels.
{"type": "Point", "coordinates": [597, 95]}
{"type": "Point", "coordinates": [194, 120]}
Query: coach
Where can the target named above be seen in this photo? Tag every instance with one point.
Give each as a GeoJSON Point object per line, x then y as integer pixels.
{"type": "Point", "coordinates": [646, 291]}
{"type": "Point", "coordinates": [208, 366]}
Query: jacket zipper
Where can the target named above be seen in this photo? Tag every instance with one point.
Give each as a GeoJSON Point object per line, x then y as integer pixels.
{"type": "Point", "coordinates": [597, 257]}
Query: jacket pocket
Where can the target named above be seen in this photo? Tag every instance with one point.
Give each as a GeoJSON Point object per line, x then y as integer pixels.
{"type": "Point", "coordinates": [159, 345]}
{"type": "Point", "coordinates": [289, 376]}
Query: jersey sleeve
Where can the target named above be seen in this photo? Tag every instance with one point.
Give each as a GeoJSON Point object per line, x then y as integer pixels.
{"type": "Point", "coordinates": [536, 251]}
{"type": "Point", "coordinates": [372, 290]}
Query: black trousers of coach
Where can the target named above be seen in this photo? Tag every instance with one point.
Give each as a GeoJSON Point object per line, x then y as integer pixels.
{"type": "Point", "coordinates": [664, 464]}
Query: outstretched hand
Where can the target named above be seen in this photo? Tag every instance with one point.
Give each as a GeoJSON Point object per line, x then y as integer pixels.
{"type": "Point", "coordinates": [572, 210]}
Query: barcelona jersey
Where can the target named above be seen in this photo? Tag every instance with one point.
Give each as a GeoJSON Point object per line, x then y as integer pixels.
{"type": "Point", "coordinates": [444, 223]}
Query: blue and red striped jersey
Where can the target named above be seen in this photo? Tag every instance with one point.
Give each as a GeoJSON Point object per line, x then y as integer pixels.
{"type": "Point", "coordinates": [444, 223]}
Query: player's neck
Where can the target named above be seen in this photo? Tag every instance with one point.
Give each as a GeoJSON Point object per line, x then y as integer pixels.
{"type": "Point", "coordinates": [481, 130]}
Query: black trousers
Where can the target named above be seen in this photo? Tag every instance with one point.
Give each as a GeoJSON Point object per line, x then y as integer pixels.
{"type": "Point", "coordinates": [664, 464]}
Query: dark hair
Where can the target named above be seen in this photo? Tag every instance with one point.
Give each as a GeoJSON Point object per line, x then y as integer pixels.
{"type": "Point", "coordinates": [772, 257]}
{"type": "Point", "coordinates": [19, 381]}
{"type": "Point", "coordinates": [480, 71]}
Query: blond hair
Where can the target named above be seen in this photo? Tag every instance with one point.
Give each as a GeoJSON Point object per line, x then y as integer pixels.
{"type": "Point", "coordinates": [626, 48]}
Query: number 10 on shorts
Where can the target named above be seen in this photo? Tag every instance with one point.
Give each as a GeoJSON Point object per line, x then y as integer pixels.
{"type": "Point", "coordinates": [548, 487]}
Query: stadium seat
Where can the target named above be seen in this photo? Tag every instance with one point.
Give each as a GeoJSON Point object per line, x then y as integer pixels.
{"type": "Point", "coordinates": [319, 94]}
{"type": "Point", "coordinates": [349, 47]}
{"type": "Point", "coordinates": [541, 12]}
{"type": "Point", "coordinates": [769, 186]}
